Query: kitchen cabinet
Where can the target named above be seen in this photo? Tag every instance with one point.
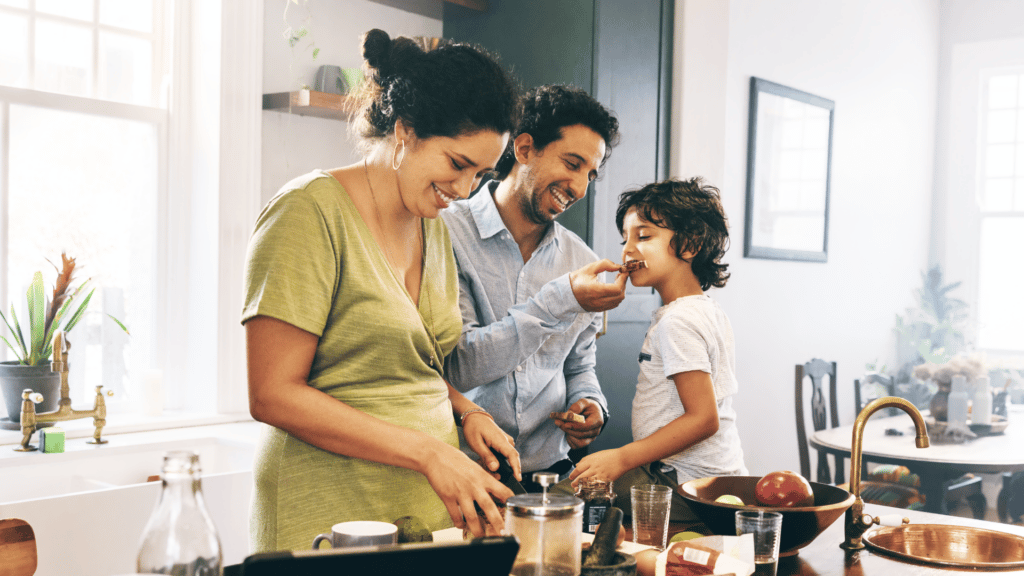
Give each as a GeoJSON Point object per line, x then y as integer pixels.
{"type": "Point", "coordinates": [620, 52]}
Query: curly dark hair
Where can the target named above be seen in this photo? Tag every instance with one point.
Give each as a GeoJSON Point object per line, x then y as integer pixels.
{"type": "Point", "coordinates": [452, 90]}
{"type": "Point", "coordinates": [693, 211]}
{"type": "Point", "coordinates": [548, 109]}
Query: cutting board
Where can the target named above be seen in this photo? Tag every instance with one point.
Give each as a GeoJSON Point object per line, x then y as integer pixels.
{"type": "Point", "coordinates": [17, 548]}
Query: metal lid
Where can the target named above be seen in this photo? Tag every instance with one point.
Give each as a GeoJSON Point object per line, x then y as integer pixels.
{"type": "Point", "coordinates": [548, 506]}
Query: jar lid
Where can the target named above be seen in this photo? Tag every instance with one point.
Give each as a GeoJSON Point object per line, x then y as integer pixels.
{"type": "Point", "coordinates": [549, 506]}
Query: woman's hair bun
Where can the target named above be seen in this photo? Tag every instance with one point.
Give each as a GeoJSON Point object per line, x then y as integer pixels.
{"type": "Point", "coordinates": [377, 50]}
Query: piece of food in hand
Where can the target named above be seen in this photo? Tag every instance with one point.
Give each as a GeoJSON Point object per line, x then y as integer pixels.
{"type": "Point", "coordinates": [730, 499]}
{"type": "Point", "coordinates": [784, 489]}
{"type": "Point", "coordinates": [569, 416]}
{"type": "Point", "coordinates": [603, 548]}
{"type": "Point", "coordinates": [633, 266]}
{"type": "Point", "coordinates": [412, 529]}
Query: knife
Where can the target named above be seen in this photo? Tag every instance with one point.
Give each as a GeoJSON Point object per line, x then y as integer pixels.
{"type": "Point", "coordinates": [507, 476]}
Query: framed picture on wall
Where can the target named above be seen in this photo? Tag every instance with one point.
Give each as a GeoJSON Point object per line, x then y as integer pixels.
{"type": "Point", "coordinates": [789, 167]}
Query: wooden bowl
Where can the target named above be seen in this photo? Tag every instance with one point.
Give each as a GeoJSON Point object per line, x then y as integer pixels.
{"type": "Point", "coordinates": [800, 526]}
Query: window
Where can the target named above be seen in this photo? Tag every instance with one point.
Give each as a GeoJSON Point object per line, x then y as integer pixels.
{"type": "Point", "coordinates": [86, 140]}
{"type": "Point", "coordinates": [1001, 211]}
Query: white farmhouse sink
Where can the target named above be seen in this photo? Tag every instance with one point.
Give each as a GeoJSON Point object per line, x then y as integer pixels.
{"type": "Point", "coordinates": [89, 505]}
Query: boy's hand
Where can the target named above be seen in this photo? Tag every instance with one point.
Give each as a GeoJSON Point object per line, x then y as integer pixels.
{"type": "Point", "coordinates": [580, 434]}
{"type": "Point", "coordinates": [604, 465]}
{"type": "Point", "coordinates": [593, 294]}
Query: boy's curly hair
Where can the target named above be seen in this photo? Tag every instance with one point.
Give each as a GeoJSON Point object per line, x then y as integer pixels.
{"type": "Point", "coordinates": [693, 211]}
{"type": "Point", "coordinates": [548, 109]}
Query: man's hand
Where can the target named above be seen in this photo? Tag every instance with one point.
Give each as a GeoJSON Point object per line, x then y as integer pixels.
{"type": "Point", "coordinates": [594, 295]}
{"type": "Point", "coordinates": [580, 434]}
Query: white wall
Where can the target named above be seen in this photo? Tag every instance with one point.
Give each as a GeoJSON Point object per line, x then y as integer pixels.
{"type": "Point", "coordinates": [292, 144]}
{"type": "Point", "coordinates": [877, 60]}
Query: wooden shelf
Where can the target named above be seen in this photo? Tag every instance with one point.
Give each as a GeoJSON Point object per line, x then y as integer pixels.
{"type": "Point", "coordinates": [309, 103]}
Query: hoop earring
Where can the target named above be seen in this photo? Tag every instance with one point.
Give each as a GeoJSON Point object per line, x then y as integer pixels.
{"type": "Point", "coordinates": [396, 158]}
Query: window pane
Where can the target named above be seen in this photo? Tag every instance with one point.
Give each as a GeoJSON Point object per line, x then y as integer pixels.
{"type": "Point", "coordinates": [92, 193]}
{"type": "Point", "coordinates": [999, 161]}
{"type": "Point", "coordinates": [13, 50]}
{"type": "Point", "coordinates": [131, 14]}
{"type": "Point", "coordinates": [77, 9]}
{"type": "Point", "coordinates": [15, 3]}
{"type": "Point", "coordinates": [1002, 126]}
{"type": "Point", "coordinates": [998, 195]}
{"type": "Point", "coordinates": [1018, 203]}
{"type": "Point", "coordinates": [126, 65]}
{"type": "Point", "coordinates": [63, 58]}
{"type": "Point", "coordinates": [1002, 92]}
{"type": "Point", "coordinates": [1000, 308]}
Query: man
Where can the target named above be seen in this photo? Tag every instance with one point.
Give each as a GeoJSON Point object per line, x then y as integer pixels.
{"type": "Point", "coordinates": [530, 290]}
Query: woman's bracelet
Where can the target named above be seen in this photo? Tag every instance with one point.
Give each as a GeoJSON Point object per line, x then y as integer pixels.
{"type": "Point", "coordinates": [462, 418]}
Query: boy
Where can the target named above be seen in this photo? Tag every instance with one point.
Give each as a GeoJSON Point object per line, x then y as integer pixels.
{"type": "Point", "coordinates": [684, 425]}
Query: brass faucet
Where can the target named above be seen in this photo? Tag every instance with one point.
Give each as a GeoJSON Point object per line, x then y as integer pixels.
{"type": "Point", "coordinates": [857, 522]}
{"type": "Point", "coordinates": [29, 418]}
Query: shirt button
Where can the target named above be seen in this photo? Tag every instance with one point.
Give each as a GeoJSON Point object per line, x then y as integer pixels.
{"type": "Point", "coordinates": [519, 368]}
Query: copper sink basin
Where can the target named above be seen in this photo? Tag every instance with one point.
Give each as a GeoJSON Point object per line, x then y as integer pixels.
{"type": "Point", "coordinates": [949, 546]}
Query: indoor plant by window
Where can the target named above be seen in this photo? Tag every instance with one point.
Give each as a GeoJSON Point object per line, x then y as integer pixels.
{"type": "Point", "coordinates": [46, 315]}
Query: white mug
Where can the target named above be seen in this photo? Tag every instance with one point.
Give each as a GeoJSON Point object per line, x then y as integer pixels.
{"type": "Point", "coordinates": [359, 533]}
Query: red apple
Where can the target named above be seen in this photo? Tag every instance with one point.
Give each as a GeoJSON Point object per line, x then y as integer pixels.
{"type": "Point", "coordinates": [784, 489]}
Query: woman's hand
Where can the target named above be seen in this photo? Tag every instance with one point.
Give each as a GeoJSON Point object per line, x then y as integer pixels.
{"type": "Point", "coordinates": [604, 465]}
{"type": "Point", "coordinates": [483, 436]}
{"type": "Point", "coordinates": [462, 485]}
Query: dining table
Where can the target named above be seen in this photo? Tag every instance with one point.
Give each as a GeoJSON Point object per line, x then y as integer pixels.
{"type": "Point", "coordinates": [890, 440]}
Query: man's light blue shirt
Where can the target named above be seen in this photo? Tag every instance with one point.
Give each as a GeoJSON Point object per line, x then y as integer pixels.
{"type": "Point", "coordinates": [527, 346]}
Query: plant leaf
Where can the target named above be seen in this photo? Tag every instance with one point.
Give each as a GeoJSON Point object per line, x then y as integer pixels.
{"type": "Point", "coordinates": [78, 313]}
{"type": "Point", "coordinates": [13, 349]}
{"type": "Point", "coordinates": [14, 336]}
{"type": "Point", "coordinates": [21, 338]}
{"type": "Point", "coordinates": [123, 327]}
{"type": "Point", "coordinates": [56, 325]}
{"type": "Point", "coordinates": [61, 287]}
{"type": "Point", "coordinates": [36, 317]}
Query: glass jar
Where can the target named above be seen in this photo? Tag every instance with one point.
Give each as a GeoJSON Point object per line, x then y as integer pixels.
{"type": "Point", "coordinates": [597, 498]}
{"type": "Point", "coordinates": [180, 537]}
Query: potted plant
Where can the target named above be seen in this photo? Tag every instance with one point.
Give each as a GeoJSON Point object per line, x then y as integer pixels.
{"type": "Point", "coordinates": [46, 315]}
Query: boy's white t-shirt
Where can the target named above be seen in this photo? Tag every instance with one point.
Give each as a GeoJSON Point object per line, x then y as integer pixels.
{"type": "Point", "coordinates": [690, 333]}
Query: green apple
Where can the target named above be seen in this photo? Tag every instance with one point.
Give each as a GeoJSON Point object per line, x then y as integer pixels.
{"type": "Point", "coordinates": [684, 536]}
{"type": "Point", "coordinates": [729, 499]}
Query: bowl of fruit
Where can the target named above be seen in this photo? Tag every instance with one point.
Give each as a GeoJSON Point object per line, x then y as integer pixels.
{"type": "Point", "coordinates": [807, 508]}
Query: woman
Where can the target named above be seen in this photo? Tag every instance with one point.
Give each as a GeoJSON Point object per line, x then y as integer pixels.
{"type": "Point", "coordinates": [352, 304]}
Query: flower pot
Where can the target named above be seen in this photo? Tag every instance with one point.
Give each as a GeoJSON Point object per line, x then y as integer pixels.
{"type": "Point", "coordinates": [16, 377]}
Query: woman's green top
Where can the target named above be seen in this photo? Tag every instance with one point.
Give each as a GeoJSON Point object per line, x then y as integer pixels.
{"type": "Point", "coordinates": [313, 263]}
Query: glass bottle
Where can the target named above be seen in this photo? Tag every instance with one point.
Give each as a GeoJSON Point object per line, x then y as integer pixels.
{"type": "Point", "coordinates": [180, 537]}
{"type": "Point", "coordinates": [597, 498]}
{"type": "Point", "coordinates": [956, 412]}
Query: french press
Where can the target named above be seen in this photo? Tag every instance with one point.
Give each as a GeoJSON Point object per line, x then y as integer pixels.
{"type": "Point", "coordinates": [548, 528]}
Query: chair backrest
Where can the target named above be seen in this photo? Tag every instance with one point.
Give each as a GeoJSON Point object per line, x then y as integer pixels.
{"type": "Point", "coordinates": [872, 387]}
{"type": "Point", "coordinates": [816, 370]}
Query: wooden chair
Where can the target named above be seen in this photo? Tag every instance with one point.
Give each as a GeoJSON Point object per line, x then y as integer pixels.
{"type": "Point", "coordinates": [1011, 498]}
{"type": "Point", "coordinates": [816, 370]}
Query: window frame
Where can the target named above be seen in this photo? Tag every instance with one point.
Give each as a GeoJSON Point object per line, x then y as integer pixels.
{"type": "Point", "coordinates": [958, 228]}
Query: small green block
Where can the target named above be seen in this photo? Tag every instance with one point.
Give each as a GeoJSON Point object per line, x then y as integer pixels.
{"type": "Point", "coordinates": [52, 440]}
